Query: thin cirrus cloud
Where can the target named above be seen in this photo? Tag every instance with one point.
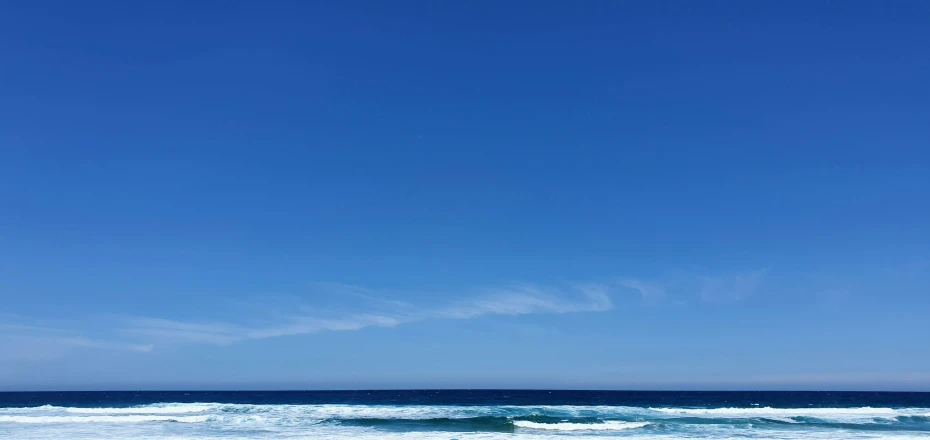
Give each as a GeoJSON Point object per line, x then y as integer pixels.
{"type": "Point", "coordinates": [30, 342]}
{"type": "Point", "coordinates": [726, 288]}
{"type": "Point", "coordinates": [521, 299]}
{"type": "Point", "coordinates": [729, 288]}
{"type": "Point", "coordinates": [650, 292]}
{"type": "Point", "coordinates": [370, 310]}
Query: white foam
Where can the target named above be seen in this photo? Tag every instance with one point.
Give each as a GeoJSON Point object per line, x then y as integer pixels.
{"type": "Point", "coordinates": [102, 419]}
{"type": "Point", "coordinates": [420, 412]}
{"type": "Point", "coordinates": [797, 412]}
{"type": "Point", "coordinates": [198, 421]}
{"type": "Point", "coordinates": [861, 414]}
{"type": "Point", "coordinates": [781, 419]}
{"type": "Point", "coordinates": [382, 435]}
{"type": "Point", "coordinates": [565, 426]}
{"type": "Point", "coordinates": [171, 408]}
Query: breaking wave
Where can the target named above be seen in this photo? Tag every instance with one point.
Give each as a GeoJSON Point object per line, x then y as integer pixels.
{"type": "Point", "coordinates": [565, 426]}
{"type": "Point", "coordinates": [337, 421]}
{"type": "Point", "coordinates": [102, 419]}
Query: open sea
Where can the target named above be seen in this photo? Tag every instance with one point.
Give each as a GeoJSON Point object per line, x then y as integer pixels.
{"type": "Point", "coordinates": [463, 414]}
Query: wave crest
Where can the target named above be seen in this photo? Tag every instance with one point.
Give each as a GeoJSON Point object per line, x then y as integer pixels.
{"type": "Point", "coordinates": [170, 408]}
{"type": "Point", "coordinates": [102, 419]}
{"type": "Point", "coordinates": [613, 425]}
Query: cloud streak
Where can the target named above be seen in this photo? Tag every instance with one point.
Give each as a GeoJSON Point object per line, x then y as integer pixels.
{"type": "Point", "coordinates": [519, 299]}
{"type": "Point", "coordinates": [369, 308]}
{"type": "Point", "coordinates": [650, 293]}
{"type": "Point", "coordinates": [730, 288]}
{"type": "Point", "coordinates": [19, 341]}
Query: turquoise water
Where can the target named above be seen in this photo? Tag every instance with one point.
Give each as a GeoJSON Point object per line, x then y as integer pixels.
{"type": "Point", "coordinates": [463, 415]}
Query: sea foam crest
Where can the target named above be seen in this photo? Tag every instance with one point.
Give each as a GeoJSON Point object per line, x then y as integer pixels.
{"type": "Point", "coordinates": [786, 414]}
{"type": "Point", "coordinates": [170, 408]}
{"type": "Point", "coordinates": [566, 426]}
{"type": "Point", "coordinates": [102, 419]}
{"type": "Point", "coordinates": [317, 413]}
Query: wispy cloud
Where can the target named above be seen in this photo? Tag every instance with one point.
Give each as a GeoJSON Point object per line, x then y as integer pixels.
{"type": "Point", "coordinates": [366, 308]}
{"type": "Point", "coordinates": [19, 341]}
{"type": "Point", "coordinates": [650, 292]}
{"type": "Point", "coordinates": [729, 288]}
{"type": "Point", "coordinates": [80, 341]}
{"type": "Point", "coordinates": [213, 333]}
{"type": "Point", "coordinates": [518, 299]}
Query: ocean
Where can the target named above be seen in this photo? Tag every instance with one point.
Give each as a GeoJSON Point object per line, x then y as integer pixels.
{"type": "Point", "coordinates": [462, 415]}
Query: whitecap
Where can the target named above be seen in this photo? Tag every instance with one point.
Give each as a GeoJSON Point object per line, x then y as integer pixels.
{"type": "Point", "coordinates": [860, 414]}
{"type": "Point", "coordinates": [171, 408]}
{"type": "Point", "coordinates": [102, 419]}
{"type": "Point", "coordinates": [565, 426]}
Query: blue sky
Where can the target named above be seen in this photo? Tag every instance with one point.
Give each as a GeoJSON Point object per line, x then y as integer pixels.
{"type": "Point", "coordinates": [464, 194]}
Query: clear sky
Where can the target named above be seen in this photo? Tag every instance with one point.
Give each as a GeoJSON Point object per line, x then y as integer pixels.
{"type": "Point", "coordinates": [556, 194]}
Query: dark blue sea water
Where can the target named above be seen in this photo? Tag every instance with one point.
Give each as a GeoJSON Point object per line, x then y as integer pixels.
{"type": "Point", "coordinates": [462, 414]}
